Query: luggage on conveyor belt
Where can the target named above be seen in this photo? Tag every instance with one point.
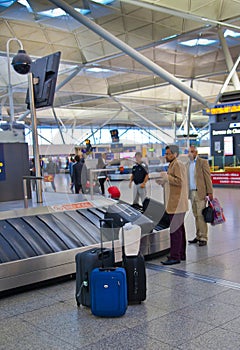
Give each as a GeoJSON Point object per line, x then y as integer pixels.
{"type": "Point", "coordinates": [123, 213]}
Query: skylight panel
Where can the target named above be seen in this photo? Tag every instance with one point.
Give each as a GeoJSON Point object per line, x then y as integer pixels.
{"type": "Point", "coordinates": [6, 3]}
{"type": "Point", "coordinates": [98, 70]}
{"type": "Point", "coordinates": [59, 12]}
{"type": "Point", "coordinates": [103, 2]}
{"type": "Point", "coordinates": [231, 33]}
{"type": "Point", "coordinates": [198, 42]}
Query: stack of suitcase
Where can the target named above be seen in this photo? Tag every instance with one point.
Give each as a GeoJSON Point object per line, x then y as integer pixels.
{"type": "Point", "coordinates": [108, 289]}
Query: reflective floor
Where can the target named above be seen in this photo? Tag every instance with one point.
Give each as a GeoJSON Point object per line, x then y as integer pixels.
{"type": "Point", "coordinates": [191, 306]}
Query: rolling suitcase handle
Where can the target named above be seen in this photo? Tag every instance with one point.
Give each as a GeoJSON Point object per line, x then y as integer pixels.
{"type": "Point", "coordinates": [107, 221]}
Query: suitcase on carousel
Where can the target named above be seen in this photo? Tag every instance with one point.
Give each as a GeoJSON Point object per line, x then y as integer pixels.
{"type": "Point", "coordinates": [124, 213]}
{"type": "Point", "coordinates": [108, 292]}
{"type": "Point", "coordinates": [88, 261]}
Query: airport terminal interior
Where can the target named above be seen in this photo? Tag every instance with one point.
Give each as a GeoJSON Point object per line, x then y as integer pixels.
{"type": "Point", "coordinates": [110, 78]}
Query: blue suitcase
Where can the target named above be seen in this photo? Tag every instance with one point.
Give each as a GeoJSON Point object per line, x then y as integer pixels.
{"type": "Point", "coordinates": [108, 290]}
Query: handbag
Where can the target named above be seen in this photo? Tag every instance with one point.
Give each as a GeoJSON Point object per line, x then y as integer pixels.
{"type": "Point", "coordinates": [208, 213]}
{"type": "Point", "coordinates": [219, 217]}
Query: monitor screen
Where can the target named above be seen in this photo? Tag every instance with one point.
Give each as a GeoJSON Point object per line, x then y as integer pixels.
{"type": "Point", "coordinates": [45, 71]}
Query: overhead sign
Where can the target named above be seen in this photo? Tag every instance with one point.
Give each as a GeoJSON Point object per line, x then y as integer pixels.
{"type": "Point", "coordinates": [222, 109]}
{"type": "Point", "coordinates": [2, 164]}
{"type": "Point", "coordinates": [226, 132]}
{"type": "Point", "coordinates": [72, 206]}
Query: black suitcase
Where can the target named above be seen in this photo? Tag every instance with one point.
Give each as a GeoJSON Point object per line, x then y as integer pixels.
{"type": "Point", "coordinates": [85, 263]}
{"type": "Point", "coordinates": [136, 278]}
{"type": "Point", "coordinates": [136, 274]}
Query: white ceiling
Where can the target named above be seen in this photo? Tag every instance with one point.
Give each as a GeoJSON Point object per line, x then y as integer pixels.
{"type": "Point", "coordinates": [155, 28]}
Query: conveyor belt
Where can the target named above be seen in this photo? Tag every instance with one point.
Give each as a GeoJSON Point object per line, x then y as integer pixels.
{"type": "Point", "coordinates": [61, 230]}
{"type": "Point", "coordinates": [39, 245]}
{"type": "Point", "coordinates": [96, 211]}
{"type": "Point", "coordinates": [70, 220]}
{"type": "Point", "coordinates": [94, 219]}
{"type": "Point", "coordinates": [55, 243]}
{"type": "Point", "coordinates": [43, 246]}
{"type": "Point", "coordinates": [7, 252]}
{"type": "Point", "coordinates": [21, 247]}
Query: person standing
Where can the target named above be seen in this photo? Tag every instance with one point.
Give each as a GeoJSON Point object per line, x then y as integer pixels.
{"type": "Point", "coordinates": [200, 186]}
{"type": "Point", "coordinates": [140, 177]}
{"type": "Point", "coordinates": [70, 166]}
{"type": "Point", "coordinates": [76, 174]}
{"type": "Point", "coordinates": [52, 169]}
{"type": "Point", "coordinates": [101, 164]}
{"type": "Point", "coordinates": [175, 180]}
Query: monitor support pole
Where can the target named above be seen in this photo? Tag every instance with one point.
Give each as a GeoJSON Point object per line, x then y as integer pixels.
{"type": "Point", "coordinates": [35, 139]}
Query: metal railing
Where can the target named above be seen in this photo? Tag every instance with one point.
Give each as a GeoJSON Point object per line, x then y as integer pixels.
{"type": "Point", "coordinates": [25, 192]}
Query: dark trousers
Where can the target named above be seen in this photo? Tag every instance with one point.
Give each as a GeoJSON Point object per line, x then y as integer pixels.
{"type": "Point", "coordinates": [101, 182]}
{"type": "Point", "coordinates": [78, 188]}
{"type": "Point", "coordinates": [177, 236]}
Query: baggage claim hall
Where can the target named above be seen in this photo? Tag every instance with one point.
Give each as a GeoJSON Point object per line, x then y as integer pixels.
{"type": "Point", "coordinates": [119, 128]}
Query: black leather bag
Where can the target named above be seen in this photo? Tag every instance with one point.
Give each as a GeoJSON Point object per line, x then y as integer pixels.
{"type": "Point", "coordinates": [208, 214]}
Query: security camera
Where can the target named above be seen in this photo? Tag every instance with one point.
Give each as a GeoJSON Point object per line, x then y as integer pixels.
{"type": "Point", "coordinates": [21, 62]}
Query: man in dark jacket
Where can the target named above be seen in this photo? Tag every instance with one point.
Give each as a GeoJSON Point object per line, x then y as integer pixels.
{"type": "Point", "coordinates": [77, 174]}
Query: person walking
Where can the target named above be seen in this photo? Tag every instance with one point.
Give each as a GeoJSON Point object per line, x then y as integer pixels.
{"type": "Point", "coordinates": [200, 187]}
{"type": "Point", "coordinates": [175, 185]}
{"type": "Point", "coordinates": [140, 177]}
{"type": "Point", "coordinates": [101, 164]}
{"type": "Point", "coordinates": [52, 170]}
{"type": "Point", "coordinates": [79, 174]}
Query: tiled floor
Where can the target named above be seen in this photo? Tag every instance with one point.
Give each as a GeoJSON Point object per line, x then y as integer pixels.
{"type": "Point", "coordinates": [191, 306]}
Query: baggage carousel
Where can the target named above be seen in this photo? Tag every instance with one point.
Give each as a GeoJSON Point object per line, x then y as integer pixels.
{"type": "Point", "coordinates": [40, 244]}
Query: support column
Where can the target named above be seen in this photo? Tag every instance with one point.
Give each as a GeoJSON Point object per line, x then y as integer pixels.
{"type": "Point", "coordinates": [189, 111]}
{"type": "Point", "coordinates": [146, 62]}
{"type": "Point", "coordinates": [35, 139]}
{"type": "Point", "coordinates": [228, 58]}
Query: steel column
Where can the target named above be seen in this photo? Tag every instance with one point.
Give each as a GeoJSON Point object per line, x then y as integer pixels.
{"type": "Point", "coordinates": [228, 58]}
{"type": "Point", "coordinates": [189, 111]}
{"type": "Point", "coordinates": [59, 127]}
{"type": "Point", "coordinates": [146, 62]}
{"type": "Point", "coordinates": [229, 77]}
{"type": "Point", "coordinates": [35, 139]}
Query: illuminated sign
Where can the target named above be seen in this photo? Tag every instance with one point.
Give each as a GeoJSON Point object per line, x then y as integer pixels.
{"type": "Point", "coordinates": [226, 132]}
{"type": "Point", "coordinates": [2, 165]}
{"type": "Point", "coordinates": [226, 178]}
{"type": "Point", "coordinates": [222, 109]}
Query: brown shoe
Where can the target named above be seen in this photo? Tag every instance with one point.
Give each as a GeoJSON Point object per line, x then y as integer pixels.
{"type": "Point", "coordinates": [202, 243]}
